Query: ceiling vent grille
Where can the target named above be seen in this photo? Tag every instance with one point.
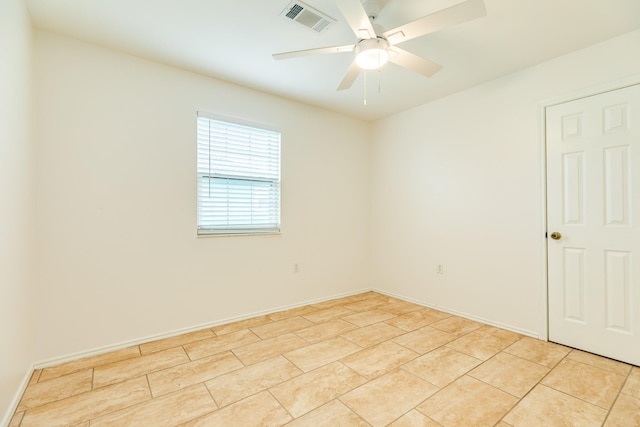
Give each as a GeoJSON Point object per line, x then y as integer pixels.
{"type": "Point", "coordinates": [305, 15]}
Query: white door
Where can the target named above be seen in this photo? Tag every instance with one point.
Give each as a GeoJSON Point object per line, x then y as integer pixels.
{"type": "Point", "coordinates": [593, 203]}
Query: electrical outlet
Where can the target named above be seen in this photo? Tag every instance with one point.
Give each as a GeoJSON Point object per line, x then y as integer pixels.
{"type": "Point", "coordinates": [296, 268]}
{"type": "Point", "coordinates": [439, 269]}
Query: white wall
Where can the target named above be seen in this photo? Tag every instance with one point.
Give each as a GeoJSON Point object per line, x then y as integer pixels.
{"type": "Point", "coordinates": [118, 252]}
{"type": "Point", "coordinates": [458, 182]}
{"type": "Point", "coordinates": [16, 333]}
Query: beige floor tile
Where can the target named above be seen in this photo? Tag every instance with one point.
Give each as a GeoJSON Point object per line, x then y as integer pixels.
{"type": "Point", "coordinates": [544, 406]}
{"type": "Point", "coordinates": [379, 359]}
{"type": "Point", "coordinates": [510, 373]}
{"type": "Point", "coordinates": [263, 350]}
{"type": "Point", "coordinates": [413, 320]}
{"type": "Point", "coordinates": [292, 312]}
{"type": "Point", "coordinates": [176, 341]}
{"type": "Point", "coordinates": [437, 313]}
{"type": "Point", "coordinates": [587, 382]}
{"type": "Point", "coordinates": [259, 410]}
{"type": "Point", "coordinates": [363, 295]}
{"type": "Point", "coordinates": [544, 353]}
{"type": "Point", "coordinates": [35, 376]}
{"type": "Point", "coordinates": [364, 305]}
{"type": "Point", "coordinates": [56, 389]}
{"type": "Point", "coordinates": [328, 314]}
{"type": "Point", "coordinates": [333, 414]}
{"type": "Point", "coordinates": [89, 362]}
{"type": "Point", "coordinates": [625, 412]}
{"type": "Point", "coordinates": [386, 398]}
{"type": "Point", "coordinates": [456, 325]}
{"type": "Point", "coordinates": [313, 389]}
{"type": "Point", "coordinates": [425, 339]}
{"type": "Point", "coordinates": [632, 386]}
{"type": "Point", "coordinates": [240, 325]}
{"type": "Point", "coordinates": [210, 346]}
{"type": "Point", "coordinates": [187, 374]}
{"type": "Point", "coordinates": [131, 368]}
{"type": "Point", "coordinates": [322, 353]}
{"type": "Point", "coordinates": [16, 419]}
{"type": "Point", "coordinates": [600, 362]}
{"type": "Point", "coordinates": [388, 299]}
{"type": "Point", "coordinates": [325, 330]}
{"type": "Point", "coordinates": [363, 357]}
{"type": "Point", "coordinates": [401, 307]}
{"type": "Point", "coordinates": [281, 327]}
{"type": "Point", "coordinates": [169, 410]}
{"type": "Point", "coordinates": [369, 317]}
{"type": "Point", "coordinates": [414, 418]}
{"type": "Point", "coordinates": [237, 385]}
{"type": "Point", "coordinates": [85, 406]}
{"type": "Point", "coordinates": [484, 342]}
{"type": "Point", "coordinates": [498, 333]}
{"type": "Point", "coordinates": [373, 334]}
{"type": "Point", "coordinates": [468, 402]}
{"type": "Point", "coordinates": [442, 366]}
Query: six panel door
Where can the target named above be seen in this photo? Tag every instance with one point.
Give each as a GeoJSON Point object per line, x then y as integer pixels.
{"type": "Point", "coordinates": [593, 203]}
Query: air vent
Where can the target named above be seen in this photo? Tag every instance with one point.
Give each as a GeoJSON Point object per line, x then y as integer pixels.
{"type": "Point", "coordinates": [305, 15]}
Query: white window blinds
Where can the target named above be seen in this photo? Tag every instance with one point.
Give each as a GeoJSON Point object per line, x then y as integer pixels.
{"type": "Point", "coordinates": [238, 178]}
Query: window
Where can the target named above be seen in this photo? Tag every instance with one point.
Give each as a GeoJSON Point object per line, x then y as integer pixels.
{"type": "Point", "coordinates": [238, 178]}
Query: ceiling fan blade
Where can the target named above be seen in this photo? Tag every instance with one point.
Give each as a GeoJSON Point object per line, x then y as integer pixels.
{"type": "Point", "coordinates": [318, 51]}
{"type": "Point", "coordinates": [454, 15]}
{"type": "Point", "coordinates": [350, 77]}
{"type": "Point", "coordinates": [357, 18]}
{"type": "Point", "coordinates": [413, 62]}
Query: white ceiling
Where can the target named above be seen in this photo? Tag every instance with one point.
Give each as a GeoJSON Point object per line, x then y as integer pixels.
{"type": "Point", "coordinates": [233, 40]}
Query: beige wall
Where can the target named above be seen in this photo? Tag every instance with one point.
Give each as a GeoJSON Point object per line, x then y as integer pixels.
{"type": "Point", "coordinates": [16, 219]}
{"type": "Point", "coordinates": [116, 189]}
{"type": "Point", "coordinates": [459, 181]}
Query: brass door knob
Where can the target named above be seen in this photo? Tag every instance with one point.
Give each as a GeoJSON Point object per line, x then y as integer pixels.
{"type": "Point", "coordinates": [556, 236]}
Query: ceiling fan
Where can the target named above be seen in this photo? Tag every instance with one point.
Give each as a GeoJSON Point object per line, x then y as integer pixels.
{"type": "Point", "coordinates": [375, 48]}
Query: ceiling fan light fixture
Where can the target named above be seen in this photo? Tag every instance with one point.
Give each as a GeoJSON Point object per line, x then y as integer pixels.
{"type": "Point", "coordinates": [372, 54]}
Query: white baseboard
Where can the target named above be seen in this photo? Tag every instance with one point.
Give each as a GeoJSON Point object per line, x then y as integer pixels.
{"type": "Point", "coordinates": [119, 346]}
{"type": "Point", "coordinates": [16, 398]}
{"type": "Point", "coordinates": [465, 315]}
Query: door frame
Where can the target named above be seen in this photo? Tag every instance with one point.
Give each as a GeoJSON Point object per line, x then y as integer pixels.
{"type": "Point", "coordinates": [579, 94]}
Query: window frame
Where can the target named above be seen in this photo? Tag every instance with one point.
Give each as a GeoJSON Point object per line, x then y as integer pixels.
{"type": "Point", "coordinates": [238, 178]}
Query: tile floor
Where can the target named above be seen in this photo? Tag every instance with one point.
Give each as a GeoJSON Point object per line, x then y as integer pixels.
{"type": "Point", "coordinates": [364, 360]}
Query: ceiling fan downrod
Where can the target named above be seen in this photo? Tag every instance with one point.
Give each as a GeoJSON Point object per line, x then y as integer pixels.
{"type": "Point", "coordinates": [373, 8]}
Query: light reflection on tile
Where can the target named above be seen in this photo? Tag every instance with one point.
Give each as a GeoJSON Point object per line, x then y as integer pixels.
{"type": "Point", "coordinates": [89, 362]}
{"type": "Point", "coordinates": [168, 410]}
{"type": "Point", "coordinates": [594, 385]}
{"type": "Point", "coordinates": [313, 389]}
{"type": "Point", "coordinates": [322, 353]}
{"type": "Point", "coordinates": [468, 402]}
{"type": "Point", "coordinates": [85, 406]}
{"type": "Point", "coordinates": [237, 385]}
{"type": "Point", "coordinates": [386, 398]}
{"type": "Point", "coordinates": [58, 388]}
{"type": "Point", "coordinates": [544, 406]}
{"type": "Point", "coordinates": [256, 411]}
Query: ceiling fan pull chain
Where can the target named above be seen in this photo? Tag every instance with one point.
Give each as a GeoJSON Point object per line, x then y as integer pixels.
{"type": "Point", "coordinates": [365, 88]}
{"type": "Point", "coordinates": [379, 81]}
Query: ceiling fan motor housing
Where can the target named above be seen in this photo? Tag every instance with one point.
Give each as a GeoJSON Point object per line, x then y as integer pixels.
{"type": "Point", "coordinates": [372, 53]}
